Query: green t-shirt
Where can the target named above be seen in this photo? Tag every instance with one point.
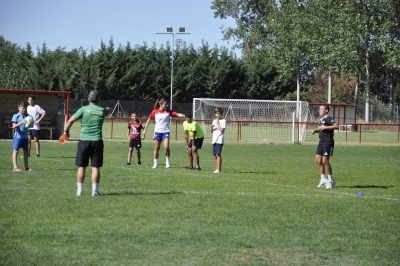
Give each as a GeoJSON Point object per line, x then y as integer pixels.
{"type": "Point", "coordinates": [92, 117]}
{"type": "Point", "coordinates": [193, 126]}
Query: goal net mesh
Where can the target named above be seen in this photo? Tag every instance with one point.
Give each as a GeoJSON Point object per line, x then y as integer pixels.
{"type": "Point", "coordinates": [255, 120]}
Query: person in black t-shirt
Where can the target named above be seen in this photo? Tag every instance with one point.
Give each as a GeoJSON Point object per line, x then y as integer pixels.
{"type": "Point", "coordinates": [326, 128]}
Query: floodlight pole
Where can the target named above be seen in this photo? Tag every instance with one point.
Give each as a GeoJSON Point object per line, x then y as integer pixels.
{"type": "Point", "coordinates": [170, 31]}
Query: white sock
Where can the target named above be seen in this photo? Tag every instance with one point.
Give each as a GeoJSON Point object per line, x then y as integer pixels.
{"type": "Point", "coordinates": [95, 187]}
{"type": "Point", "coordinates": [79, 188]}
{"type": "Point", "coordinates": [323, 178]}
{"type": "Point", "coordinates": [330, 178]}
{"type": "Point", "coordinates": [155, 161]}
{"type": "Point", "coordinates": [167, 159]}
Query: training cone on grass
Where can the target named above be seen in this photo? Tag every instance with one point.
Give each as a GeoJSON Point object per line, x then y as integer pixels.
{"type": "Point", "coordinates": [63, 139]}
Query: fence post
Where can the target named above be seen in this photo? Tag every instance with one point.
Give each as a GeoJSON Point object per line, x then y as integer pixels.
{"type": "Point", "coordinates": [359, 138]}
{"type": "Point", "coordinates": [345, 126]}
{"type": "Point", "coordinates": [293, 128]}
{"type": "Point", "coordinates": [112, 128]}
{"type": "Point", "coordinates": [176, 129]}
{"type": "Point", "coordinates": [398, 134]}
{"type": "Point", "coordinates": [238, 131]}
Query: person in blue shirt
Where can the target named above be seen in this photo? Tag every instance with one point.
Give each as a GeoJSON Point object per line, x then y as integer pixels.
{"type": "Point", "coordinates": [20, 139]}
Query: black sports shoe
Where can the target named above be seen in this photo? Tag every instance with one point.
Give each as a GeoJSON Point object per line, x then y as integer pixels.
{"type": "Point", "coordinates": [139, 163]}
{"type": "Point", "coordinates": [128, 163]}
{"type": "Point", "coordinates": [37, 155]}
{"type": "Point", "coordinates": [197, 169]}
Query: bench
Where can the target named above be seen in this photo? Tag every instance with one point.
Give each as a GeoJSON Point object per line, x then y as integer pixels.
{"type": "Point", "coordinates": [45, 125]}
{"type": "Point", "coordinates": [344, 127]}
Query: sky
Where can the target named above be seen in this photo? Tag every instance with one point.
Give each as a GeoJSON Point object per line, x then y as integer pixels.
{"type": "Point", "coordinates": [84, 23]}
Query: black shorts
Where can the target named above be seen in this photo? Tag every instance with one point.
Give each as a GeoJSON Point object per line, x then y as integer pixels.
{"type": "Point", "coordinates": [90, 149]}
{"type": "Point", "coordinates": [137, 143]}
{"type": "Point", "coordinates": [325, 149]}
{"type": "Point", "coordinates": [33, 132]}
{"type": "Point", "coordinates": [198, 143]}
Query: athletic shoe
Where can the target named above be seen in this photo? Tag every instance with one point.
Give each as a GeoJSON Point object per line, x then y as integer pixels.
{"type": "Point", "coordinates": [128, 163]}
{"type": "Point", "coordinates": [139, 163]}
{"type": "Point", "coordinates": [155, 166]}
{"type": "Point", "coordinates": [167, 165]}
{"type": "Point", "coordinates": [197, 169]}
{"type": "Point", "coordinates": [189, 167]}
{"type": "Point", "coordinates": [216, 172]}
{"type": "Point", "coordinates": [78, 194]}
{"type": "Point", "coordinates": [331, 184]}
{"type": "Point", "coordinates": [322, 183]}
{"type": "Point", "coordinates": [95, 193]}
{"type": "Point", "coordinates": [17, 169]}
{"type": "Point", "coordinates": [37, 155]}
{"type": "Point", "coordinates": [28, 169]}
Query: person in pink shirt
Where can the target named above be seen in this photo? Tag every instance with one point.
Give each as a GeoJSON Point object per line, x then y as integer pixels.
{"type": "Point", "coordinates": [162, 116]}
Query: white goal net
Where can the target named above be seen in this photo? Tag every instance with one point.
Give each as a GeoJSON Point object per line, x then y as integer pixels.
{"type": "Point", "coordinates": [255, 120]}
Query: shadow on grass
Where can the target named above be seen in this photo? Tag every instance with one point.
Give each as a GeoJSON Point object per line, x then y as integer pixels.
{"type": "Point", "coordinates": [367, 186]}
{"type": "Point", "coordinates": [63, 157]}
{"type": "Point", "coordinates": [142, 193]}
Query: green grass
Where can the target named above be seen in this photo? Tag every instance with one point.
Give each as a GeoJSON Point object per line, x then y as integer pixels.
{"type": "Point", "coordinates": [384, 136]}
{"type": "Point", "coordinates": [263, 209]}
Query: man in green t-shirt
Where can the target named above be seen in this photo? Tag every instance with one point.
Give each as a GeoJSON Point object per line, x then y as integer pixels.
{"type": "Point", "coordinates": [194, 137]}
{"type": "Point", "coordinates": [90, 143]}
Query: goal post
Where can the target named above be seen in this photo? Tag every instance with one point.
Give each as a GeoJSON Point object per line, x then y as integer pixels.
{"type": "Point", "coordinates": [270, 121]}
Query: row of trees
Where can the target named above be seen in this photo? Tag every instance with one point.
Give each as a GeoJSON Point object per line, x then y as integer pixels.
{"type": "Point", "coordinates": [358, 39]}
{"type": "Point", "coordinates": [142, 72]}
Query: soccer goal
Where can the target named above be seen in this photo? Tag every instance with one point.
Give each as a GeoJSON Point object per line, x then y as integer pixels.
{"type": "Point", "coordinates": [255, 120]}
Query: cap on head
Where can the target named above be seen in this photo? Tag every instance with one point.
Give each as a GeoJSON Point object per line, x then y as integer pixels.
{"type": "Point", "coordinates": [93, 96]}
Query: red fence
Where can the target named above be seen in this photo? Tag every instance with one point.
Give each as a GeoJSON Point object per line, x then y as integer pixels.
{"type": "Point", "coordinates": [238, 133]}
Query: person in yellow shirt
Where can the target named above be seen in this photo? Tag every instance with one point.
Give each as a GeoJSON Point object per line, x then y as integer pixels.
{"type": "Point", "coordinates": [194, 137]}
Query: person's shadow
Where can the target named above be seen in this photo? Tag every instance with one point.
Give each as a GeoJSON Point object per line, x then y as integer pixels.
{"type": "Point", "coordinates": [141, 193]}
{"type": "Point", "coordinates": [367, 186]}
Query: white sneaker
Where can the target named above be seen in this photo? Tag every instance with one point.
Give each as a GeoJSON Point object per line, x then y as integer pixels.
{"type": "Point", "coordinates": [167, 164]}
{"type": "Point", "coordinates": [330, 185]}
{"type": "Point", "coordinates": [322, 183]}
{"type": "Point", "coordinates": [216, 172]}
{"type": "Point", "coordinates": [78, 194]}
{"type": "Point", "coordinates": [155, 166]}
{"type": "Point", "coordinates": [95, 193]}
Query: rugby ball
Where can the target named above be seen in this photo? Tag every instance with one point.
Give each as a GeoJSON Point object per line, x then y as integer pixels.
{"type": "Point", "coordinates": [29, 121]}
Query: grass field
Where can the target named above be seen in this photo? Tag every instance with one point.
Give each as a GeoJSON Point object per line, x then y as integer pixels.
{"type": "Point", "coordinates": [265, 133]}
{"type": "Point", "coordinates": [263, 209]}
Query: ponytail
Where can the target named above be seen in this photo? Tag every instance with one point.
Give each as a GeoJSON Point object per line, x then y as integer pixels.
{"type": "Point", "coordinates": [156, 105]}
{"type": "Point", "coordinates": [159, 102]}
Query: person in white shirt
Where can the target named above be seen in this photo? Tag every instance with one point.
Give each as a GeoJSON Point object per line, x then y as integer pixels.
{"type": "Point", "coordinates": [218, 130]}
{"type": "Point", "coordinates": [162, 117]}
{"type": "Point", "coordinates": [37, 114]}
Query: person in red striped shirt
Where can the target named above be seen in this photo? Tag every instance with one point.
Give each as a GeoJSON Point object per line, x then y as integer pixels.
{"type": "Point", "coordinates": [134, 129]}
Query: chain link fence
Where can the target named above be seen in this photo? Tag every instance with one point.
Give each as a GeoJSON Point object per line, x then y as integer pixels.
{"type": "Point", "coordinates": [120, 108]}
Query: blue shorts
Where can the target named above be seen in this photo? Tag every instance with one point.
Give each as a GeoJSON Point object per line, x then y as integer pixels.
{"type": "Point", "coordinates": [217, 149]}
{"type": "Point", "coordinates": [161, 136]}
{"type": "Point", "coordinates": [20, 143]}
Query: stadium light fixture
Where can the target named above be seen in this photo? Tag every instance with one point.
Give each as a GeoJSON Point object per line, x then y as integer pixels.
{"type": "Point", "coordinates": [170, 31]}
